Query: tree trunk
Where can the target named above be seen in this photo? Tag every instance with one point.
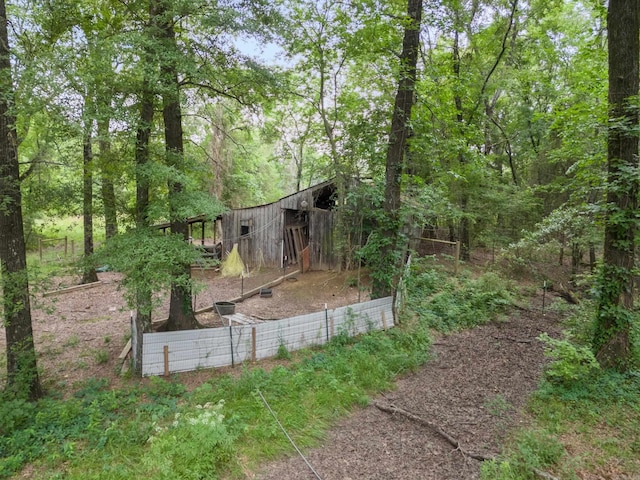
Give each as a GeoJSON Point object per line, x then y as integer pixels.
{"type": "Point", "coordinates": [89, 274]}
{"type": "Point", "coordinates": [342, 175]}
{"type": "Point", "coordinates": [107, 170]}
{"type": "Point", "coordinates": [561, 256]}
{"type": "Point", "coordinates": [392, 252]}
{"type": "Point", "coordinates": [576, 258]}
{"type": "Point", "coordinates": [181, 316]}
{"type": "Point", "coordinates": [464, 231]}
{"type": "Point", "coordinates": [22, 371]}
{"type": "Point", "coordinates": [218, 153]}
{"type": "Point", "coordinates": [614, 316]}
{"type": "Point", "coordinates": [143, 135]}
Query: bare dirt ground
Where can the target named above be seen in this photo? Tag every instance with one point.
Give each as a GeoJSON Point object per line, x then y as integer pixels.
{"type": "Point", "coordinates": [473, 390]}
{"type": "Point", "coordinates": [81, 333]}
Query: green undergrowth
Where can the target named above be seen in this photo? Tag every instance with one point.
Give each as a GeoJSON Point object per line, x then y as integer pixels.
{"type": "Point", "coordinates": [587, 429]}
{"type": "Point", "coordinates": [157, 429]}
{"type": "Point", "coordinates": [160, 430]}
{"type": "Point", "coordinates": [452, 303]}
{"type": "Point", "coordinates": [584, 421]}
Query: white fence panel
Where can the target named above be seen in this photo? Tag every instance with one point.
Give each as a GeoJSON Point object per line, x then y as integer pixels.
{"type": "Point", "coordinates": [188, 350]}
{"type": "Point", "coordinates": [212, 347]}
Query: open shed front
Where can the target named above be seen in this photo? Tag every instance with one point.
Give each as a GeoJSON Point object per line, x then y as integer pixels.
{"type": "Point", "coordinates": [295, 230]}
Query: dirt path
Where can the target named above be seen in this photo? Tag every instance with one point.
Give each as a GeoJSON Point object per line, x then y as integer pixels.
{"type": "Point", "coordinates": [474, 390]}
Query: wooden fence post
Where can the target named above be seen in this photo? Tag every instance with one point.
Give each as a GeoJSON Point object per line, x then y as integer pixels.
{"type": "Point", "coordinates": [166, 360]}
{"type": "Point", "coordinates": [253, 344]}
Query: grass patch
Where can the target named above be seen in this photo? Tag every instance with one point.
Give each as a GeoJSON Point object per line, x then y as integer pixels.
{"type": "Point", "coordinates": [72, 341]}
{"type": "Point", "coordinates": [156, 429]}
{"type": "Point", "coordinates": [159, 430]}
{"type": "Point", "coordinates": [101, 356]}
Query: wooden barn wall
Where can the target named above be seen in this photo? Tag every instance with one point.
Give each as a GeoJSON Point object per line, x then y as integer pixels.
{"type": "Point", "coordinates": [321, 240]}
{"type": "Point", "coordinates": [266, 224]}
{"type": "Point", "coordinates": [263, 244]}
{"type": "Point", "coordinates": [293, 202]}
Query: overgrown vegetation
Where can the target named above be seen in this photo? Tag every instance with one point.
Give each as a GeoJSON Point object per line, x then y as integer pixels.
{"type": "Point", "coordinates": [157, 429]}
{"type": "Point", "coordinates": [449, 303]}
{"type": "Point", "coordinates": [578, 408]}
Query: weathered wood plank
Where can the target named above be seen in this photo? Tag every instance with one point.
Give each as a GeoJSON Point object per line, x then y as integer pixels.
{"type": "Point", "coordinates": [72, 288]}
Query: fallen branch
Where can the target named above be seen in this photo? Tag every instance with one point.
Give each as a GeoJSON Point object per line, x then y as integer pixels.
{"type": "Point", "coordinates": [515, 340]}
{"type": "Point", "coordinates": [568, 295]}
{"type": "Point", "coordinates": [72, 288]}
{"type": "Point", "coordinates": [545, 475]}
{"type": "Point", "coordinates": [521, 308]}
{"type": "Point", "coordinates": [393, 410]}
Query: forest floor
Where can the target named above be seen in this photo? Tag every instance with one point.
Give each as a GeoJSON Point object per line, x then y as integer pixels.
{"type": "Point", "coordinates": [473, 389]}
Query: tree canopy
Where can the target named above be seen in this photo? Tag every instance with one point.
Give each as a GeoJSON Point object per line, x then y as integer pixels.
{"type": "Point", "coordinates": [153, 111]}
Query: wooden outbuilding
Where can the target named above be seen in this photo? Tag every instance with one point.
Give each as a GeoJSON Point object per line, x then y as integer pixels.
{"type": "Point", "coordinates": [297, 229]}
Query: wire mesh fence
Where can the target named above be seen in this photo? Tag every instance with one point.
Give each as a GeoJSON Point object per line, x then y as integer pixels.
{"type": "Point", "coordinates": [58, 250]}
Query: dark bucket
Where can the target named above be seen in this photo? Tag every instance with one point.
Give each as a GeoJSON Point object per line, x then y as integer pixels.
{"type": "Point", "coordinates": [225, 308]}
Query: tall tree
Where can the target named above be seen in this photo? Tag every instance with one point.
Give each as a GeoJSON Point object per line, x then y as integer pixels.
{"type": "Point", "coordinates": [336, 49]}
{"type": "Point", "coordinates": [142, 146]}
{"type": "Point", "coordinates": [107, 159]}
{"type": "Point", "coordinates": [615, 316]}
{"type": "Point", "coordinates": [21, 356]}
{"type": "Point", "coordinates": [89, 274]}
{"type": "Point", "coordinates": [400, 129]}
{"type": "Point", "coordinates": [181, 315]}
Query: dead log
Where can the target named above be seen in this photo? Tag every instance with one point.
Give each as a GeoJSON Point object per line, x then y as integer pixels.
{"type": "Point", "coordinates": [514, 340]}
{"type": "Point", "coordinates": [568, 295]}
{"type": "Point", "coordinates": [72, 288]}
{"type": "Point", "coordinates": [393, 410]}
{"type": "Point", "coordinates": [544, 475]}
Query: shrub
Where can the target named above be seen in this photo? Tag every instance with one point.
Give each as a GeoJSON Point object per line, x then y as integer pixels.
{"type": "Point", "coordinates": [283, 352]}
{"type": "Point", "coordinates": [458, 305]}
{"type": "Point", "coordinates": [571, 363]}
{"type": "Point", "coordinates": [176, 451]}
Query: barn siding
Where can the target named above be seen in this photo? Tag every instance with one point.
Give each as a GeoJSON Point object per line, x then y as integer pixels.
{"type": "Point", "coordinates": [264, 243]}
{"type": "Point", "coordinates": [264, 240]}
{"type": "Point", "coordinates": [321, 239]}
